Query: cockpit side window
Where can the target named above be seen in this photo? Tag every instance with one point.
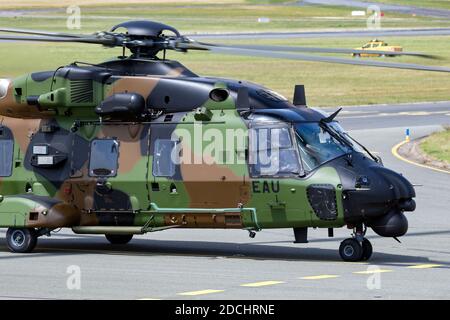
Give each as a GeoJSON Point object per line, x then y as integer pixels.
{"type": "Point", "coordinates": [272, 152]}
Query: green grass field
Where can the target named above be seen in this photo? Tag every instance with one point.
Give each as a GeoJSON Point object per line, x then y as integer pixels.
{"type": "Point", "coordinates": [326, 84]}
{"type": "Point", "coordinates": [437, 145]}
{"type": "Point", "coordinates": [198, 17]}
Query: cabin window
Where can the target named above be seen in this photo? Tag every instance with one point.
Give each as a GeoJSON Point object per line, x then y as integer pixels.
{"type": "Point", "coordinates": [104, 157]}
{"type": "Point", "coordinates": [272, 152]}
{"type": "Point", "coordinates": [163, 164]}
{"type": "Point", "coordinates": [6, 157]}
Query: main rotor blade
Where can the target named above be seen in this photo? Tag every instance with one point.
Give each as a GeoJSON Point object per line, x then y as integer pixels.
{"type": "Point", "coordinates": [321, 50]}
{"type": "Point", "coordinates": [41, 33]}
{"type": "Point", "coordinates": [305, 57]}
{"type": "Point", "coordinates": [103, 41]}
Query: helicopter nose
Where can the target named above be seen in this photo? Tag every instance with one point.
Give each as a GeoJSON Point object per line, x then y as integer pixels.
{"type": "Point", "coordinates": [400, 188]}
{"type": "Point", "coordinates": [379, 200]}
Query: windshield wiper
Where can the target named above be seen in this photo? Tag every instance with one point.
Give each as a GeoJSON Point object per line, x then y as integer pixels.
{"type": "Point", "coordinates": [364, 148]}
{"type": "Point", "coordinates": [335, 134]}
{"type": "Point", "coordinates": [324, 124]}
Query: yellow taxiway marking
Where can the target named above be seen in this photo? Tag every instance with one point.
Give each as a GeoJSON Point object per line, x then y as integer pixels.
{"type": "Point", "coordinates": [261, 284]}
{"type": "Point", "coordinates": [200, 292]}
{"type": "Point", "coordinates": [394, 151]}
{"type": "Point", "coordinates": [425, 266]}
{"type": "Point", "coordinates": [320, 277]}
{"type": "Point", "coordinates": [373, 271]}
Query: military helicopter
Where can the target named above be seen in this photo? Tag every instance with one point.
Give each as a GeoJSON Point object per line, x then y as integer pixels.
{"type": "Point", "coordinates": [121, 148]}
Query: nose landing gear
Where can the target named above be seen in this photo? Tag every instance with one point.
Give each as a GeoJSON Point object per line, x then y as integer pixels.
{"type": "Point", "coordinates": [367, 249]}
{"type": "Point", "coordinates": [350, 250]}
{"type": "Point", "coordinates": [357, 248]}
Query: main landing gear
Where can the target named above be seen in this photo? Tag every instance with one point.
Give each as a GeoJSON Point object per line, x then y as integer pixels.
{"type": "Point", "coordinates": [357, 248]}
{"type": "Point", "coordinates": [119, 238]}
{"type": "Point", "coordinates": [21, 240]}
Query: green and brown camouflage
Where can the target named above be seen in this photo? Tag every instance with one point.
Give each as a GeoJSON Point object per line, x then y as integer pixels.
{"type": "Point", "coordinates": [56, 110]}
{"type": "Point", "coordinates": [135, 145]}
{"type": "Point", "coordinates": [44, 108]}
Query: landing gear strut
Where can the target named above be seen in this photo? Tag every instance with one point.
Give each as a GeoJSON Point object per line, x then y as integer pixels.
{"type": "Point", "coordinates": [21, 240]}
{"type": "Point", "coordinates": [357, 248]}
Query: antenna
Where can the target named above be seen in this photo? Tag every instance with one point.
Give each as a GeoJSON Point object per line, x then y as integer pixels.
{"type": "Point", "coordinates": [299, 95]}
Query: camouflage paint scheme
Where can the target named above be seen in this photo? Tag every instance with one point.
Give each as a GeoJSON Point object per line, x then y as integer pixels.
{"type": "Point", "coordinates": [67, 196]}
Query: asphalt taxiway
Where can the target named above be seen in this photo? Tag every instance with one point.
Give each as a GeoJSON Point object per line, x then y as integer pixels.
{"type": "Point", "coordinates": [227, 264]}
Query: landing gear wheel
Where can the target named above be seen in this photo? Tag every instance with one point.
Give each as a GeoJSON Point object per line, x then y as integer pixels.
{"type": "Point", "coordinates": [21, 240]}
{"type": "Point", "coordinates": [119, 238]}
{"type": "Point", "coordinates": [367, 250]}
{"type": "Point", "coordinates": [350, 250]}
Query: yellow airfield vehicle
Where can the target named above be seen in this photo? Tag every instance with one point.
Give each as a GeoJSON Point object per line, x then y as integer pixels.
{"type": "Point", "coordinates": [370, 49]}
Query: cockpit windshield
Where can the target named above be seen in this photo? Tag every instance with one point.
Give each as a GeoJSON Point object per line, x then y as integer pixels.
{"type": "Point", "coordinates": [320, 142]}
{"type": "Point", "coordinates": [281, 149]}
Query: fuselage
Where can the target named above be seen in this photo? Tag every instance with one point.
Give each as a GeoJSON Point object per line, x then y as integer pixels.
{"type": "Point", "coordinates": [75, 156]}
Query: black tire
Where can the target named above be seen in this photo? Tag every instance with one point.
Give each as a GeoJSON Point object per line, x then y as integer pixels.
{"type": "Point", "coordinates": [367, 250]}
{"type": "Point", "coordinates": [350, 250]}
{"type": "Point", "coordinates": [119, 238]}
{"type": "Point", "coordinates": [21, 240]}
